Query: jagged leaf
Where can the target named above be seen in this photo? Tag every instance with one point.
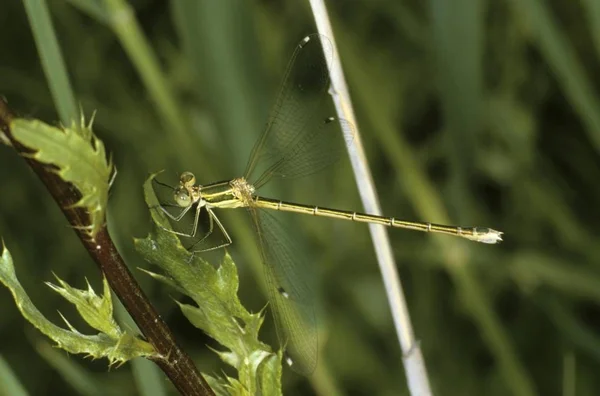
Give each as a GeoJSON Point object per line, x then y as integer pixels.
{"type": "Point", "coordinates": [116, 345]}
{"type": "Point", "coordinates": [269, 373]}
{"type": "Point", "coordinates": [79, 158]}
{"type": "Point", "coordinates": [217, 385]}
{"type": "Point", "coordinates": [95, 310]}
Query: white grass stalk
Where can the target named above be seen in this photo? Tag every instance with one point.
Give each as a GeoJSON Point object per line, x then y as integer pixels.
{"type": "Point", "coordinates": [414, 365]}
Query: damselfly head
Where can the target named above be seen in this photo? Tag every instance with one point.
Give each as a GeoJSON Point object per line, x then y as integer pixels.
{"type": "Point", "coordinates": [182, 196]}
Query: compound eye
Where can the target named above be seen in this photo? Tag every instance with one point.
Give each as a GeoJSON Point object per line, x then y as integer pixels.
{"type": "Point", "coordinates": [187, 179]}
{"type": "Point", "coordinates": [182, 198]}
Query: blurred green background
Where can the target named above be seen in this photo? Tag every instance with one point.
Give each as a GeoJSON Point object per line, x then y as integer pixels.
{"type": "Point", "coordinates": [474, 112]}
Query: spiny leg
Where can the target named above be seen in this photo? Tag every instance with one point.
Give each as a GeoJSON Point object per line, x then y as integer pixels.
{"type": "Point", "coordinates": [179, 217]}
{"type": "Point", "coordinates": [212, 217]}
{"type": "Point", "coordinates": [208, 233]}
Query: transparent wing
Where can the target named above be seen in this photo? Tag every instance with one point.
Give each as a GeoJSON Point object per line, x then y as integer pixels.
{"type": "Point", "coordinates": [301, 137]}
{"type": "Point", "coordinates": [290, 293]}
{"type": "Point", "coordinates": [321, 145]}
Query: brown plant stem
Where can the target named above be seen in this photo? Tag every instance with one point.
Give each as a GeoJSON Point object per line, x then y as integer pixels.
{"type": "Point", "coordinates": [175, 363]}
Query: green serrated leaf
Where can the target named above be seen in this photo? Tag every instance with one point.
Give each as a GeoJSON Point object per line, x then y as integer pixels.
{"type": "Point", "coordinates": [218, 311]}
{"type": "Point", "coordinates": [269, 375]}
{"type": "Point", "coordinates": [79, 158]}
{"type": "Point", "coordinates": [248, 371]}
{"type": "Point", "coordinates": [236, 388]}
{"type": "Point", "coordinates": [95, 310]}
{"type": "Point", "coordinates": [116, 345]}
{"type": "Point", "coordinates": [217, 385]}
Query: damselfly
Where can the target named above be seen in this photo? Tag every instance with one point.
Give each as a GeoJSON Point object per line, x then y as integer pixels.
{"type": "Point", "coordinates": [296, 142]}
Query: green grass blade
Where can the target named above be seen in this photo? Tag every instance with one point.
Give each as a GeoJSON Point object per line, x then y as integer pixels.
{"type": "Point", "coordinates": [52, 60]}
{"type": "Point", "coordinates": [428, 205]}
{"type": "Point", "coordinates": [592, 8]}
{"type": "Point", "coordinates": [563, 60]}
{"type": "Point", "coordinates": [9, 383]}
{"type": "Point", "coordinates": [94, 8]}
{"type": "Point", "coordinates": [581, 334]}
{"type": "Point", "coordinates": [149, 380]}
{"type": "Point", "coordinates": [530, 269]}
{"type": "Point", "coordinates": [72, 372]}
{"type": "Point", "coordinates": [457, 51]}
{"type": "Point", "coordinates": [230, 75]}
{"type": "Point", "coordinates": [140, 52]}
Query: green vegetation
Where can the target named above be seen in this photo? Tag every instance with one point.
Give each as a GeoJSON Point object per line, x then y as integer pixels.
{"type": "Point", "coordinates": [471, 112]}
